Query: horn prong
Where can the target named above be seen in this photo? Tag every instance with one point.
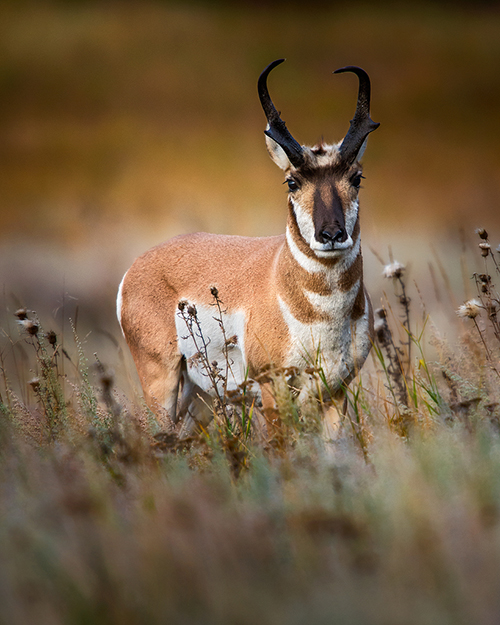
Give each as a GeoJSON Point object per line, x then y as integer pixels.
{"type": "Point", "coordinates": [361, 123]}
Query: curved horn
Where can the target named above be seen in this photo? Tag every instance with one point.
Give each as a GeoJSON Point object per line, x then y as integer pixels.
{"type": "Point", "coordinates": [276, 127]}
{"type": "Point", "coordinates": [361, 124]}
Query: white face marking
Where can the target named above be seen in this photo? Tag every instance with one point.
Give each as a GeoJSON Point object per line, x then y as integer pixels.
{"type": "Point", "coordinates": [190, 347]}
{"type": "Point", "coordinates": [309, 264]}
{"type": "Point", "coordinates": [304, 222]}
{"type": "Point", "coordinates": [351, 216]}
{"type": "Point", "coordinates": [119, 301]}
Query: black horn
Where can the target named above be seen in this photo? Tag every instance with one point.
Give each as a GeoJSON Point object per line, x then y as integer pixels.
{"type": "Point", "coordinates": [277, 129]}
{"type": "Point", "coordinates": [361, 124]}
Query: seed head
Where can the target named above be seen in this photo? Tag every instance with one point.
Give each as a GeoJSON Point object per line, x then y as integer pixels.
{"type": "Point", "coordinates": [35, 384]}
{"type": "Point", "coordinates": [21, 314]}
{"type": "Point", "coordinates": [485, 248]}
{"type": "Point", "coordinates": [469, 310]}
{"type": "Point", "coordinates": [481, 232]}
{"type": "Point", "coordinates": [214, 291]}
{"type": "Point", "coordinates": [106, 379]}
{"type": "Point", "coordinates": [31, 327]}
{"type": "Point", "coordinates": [393, 270]}
{"type": "Point", "coordinates": [192, 310]}
{"type": "Point", "coordinates": [492, 308]}
{"type": "Point", "coordinates": [51, 337]}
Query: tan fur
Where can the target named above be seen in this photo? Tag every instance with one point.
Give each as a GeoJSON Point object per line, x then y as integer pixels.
{"type": "Point", "coordinates": [261, 279]}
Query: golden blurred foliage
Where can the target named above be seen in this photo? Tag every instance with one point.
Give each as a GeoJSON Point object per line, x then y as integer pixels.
{"type": "Point", "coordinates": [124, 123]}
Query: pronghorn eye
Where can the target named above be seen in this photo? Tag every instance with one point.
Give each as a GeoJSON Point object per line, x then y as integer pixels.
{"type": "Point", "coordinates": [356, 180]}
{"type": "Point", "coordinates": [292, 184]}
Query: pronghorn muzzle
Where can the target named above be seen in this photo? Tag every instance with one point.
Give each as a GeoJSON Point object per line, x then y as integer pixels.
{"type": "Point", "coordinates": [329, 222]}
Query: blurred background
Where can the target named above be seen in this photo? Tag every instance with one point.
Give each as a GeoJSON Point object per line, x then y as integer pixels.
{"type": "Point", "coordinates": [125, 123]}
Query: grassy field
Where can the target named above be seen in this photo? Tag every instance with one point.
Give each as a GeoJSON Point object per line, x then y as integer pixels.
{"type": "Point", "coordinates": [391, 516]}
{"type": "Point", "coordinates": [123, 123]}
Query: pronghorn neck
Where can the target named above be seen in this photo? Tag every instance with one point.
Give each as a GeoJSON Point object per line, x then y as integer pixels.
{"type": "Point", "coordinates": [313, 289]}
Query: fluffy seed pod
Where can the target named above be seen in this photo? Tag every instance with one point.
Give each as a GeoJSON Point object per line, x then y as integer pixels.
{"type": "Point", "coordinates": [393, 270]}
{"type": "Point", "coordinates": [469, 310]}
{"type": "Point", "coordinates": [21, 314]}
{"type": "Point", "coordinates": [31, 327]}
{"type": "Point", "coordinates": [35, 384]}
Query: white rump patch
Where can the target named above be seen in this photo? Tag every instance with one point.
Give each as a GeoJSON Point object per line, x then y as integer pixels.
{"type": "Point", "coordinates": [119, 302]}
{"type": "Point", "coordinates": [206, 345]}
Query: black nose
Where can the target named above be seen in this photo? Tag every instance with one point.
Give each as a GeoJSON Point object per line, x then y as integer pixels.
{"type": "Point", "coordinates": [328, 237]}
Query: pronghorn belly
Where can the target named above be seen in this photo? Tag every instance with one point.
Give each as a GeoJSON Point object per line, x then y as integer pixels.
{"type": "Point", "coordinates": [215, 355]}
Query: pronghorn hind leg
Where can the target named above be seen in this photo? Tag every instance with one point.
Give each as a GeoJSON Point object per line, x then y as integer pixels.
{"type": "Point", "coordinates": [160, 384]}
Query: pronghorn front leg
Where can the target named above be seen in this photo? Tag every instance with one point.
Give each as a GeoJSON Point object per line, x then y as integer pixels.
{"type": "Point", "coordinates": [270, 409]}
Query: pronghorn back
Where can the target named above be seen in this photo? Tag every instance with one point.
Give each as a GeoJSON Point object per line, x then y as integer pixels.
{"type": "Point", "coordinates": [286, 299]}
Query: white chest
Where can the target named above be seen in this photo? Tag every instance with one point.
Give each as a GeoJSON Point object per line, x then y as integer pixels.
{"type": "Point", "coordinates": [338, 346]}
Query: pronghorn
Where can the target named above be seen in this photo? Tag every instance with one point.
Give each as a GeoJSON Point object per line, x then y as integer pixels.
{"type": "Point", "coordinates": [285, 297]}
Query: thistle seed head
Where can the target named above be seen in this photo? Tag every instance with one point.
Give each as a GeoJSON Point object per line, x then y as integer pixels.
{"type": "Point", "coordinates": [31, 327]}
{"type": "Point", "coordinates": [481, 232]}
{"type": "Point", "coordinates": [35, 384]}
{"type": "Point", "coordinates": [485, 248]}
{"type": "Point", "coordinates": [51, 337]}
{"type": "Point", "coordinates": [21, 314]}
{"type": "Point", "coordinates": [469, 310]}
{"type": "Point", "coordinates": [393, 270]}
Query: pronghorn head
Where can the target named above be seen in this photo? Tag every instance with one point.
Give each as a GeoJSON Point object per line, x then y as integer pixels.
{"type": "Point", "coordinates": [323, 181]}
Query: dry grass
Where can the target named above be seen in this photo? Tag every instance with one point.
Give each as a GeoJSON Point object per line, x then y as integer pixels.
{"type": "Point", "coordinates": [396, 518]}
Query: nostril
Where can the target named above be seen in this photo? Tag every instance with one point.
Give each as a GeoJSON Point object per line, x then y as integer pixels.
{"type": "Point", "coordinates": [339, 235]}
{"type": "Point", "coordinates": [326, 236]}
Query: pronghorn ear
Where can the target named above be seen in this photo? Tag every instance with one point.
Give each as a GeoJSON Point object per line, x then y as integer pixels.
{"type": "Point", "coordinates": [277, 153]}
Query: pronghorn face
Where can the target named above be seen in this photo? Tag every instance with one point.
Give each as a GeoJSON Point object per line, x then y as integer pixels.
{"type": "Point", "coordinates": [323, 181]}
{"type": "Point", "coordinates": [323, 195]}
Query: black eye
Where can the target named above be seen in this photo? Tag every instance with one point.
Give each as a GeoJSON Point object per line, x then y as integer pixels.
{"type": "Point", "coordinates": [356, 180]}
{"type": "Point", "coordinates": [292, 185]}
